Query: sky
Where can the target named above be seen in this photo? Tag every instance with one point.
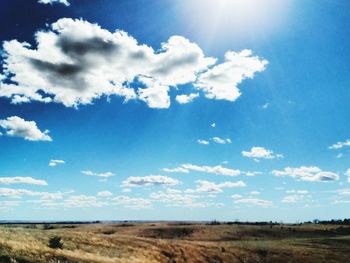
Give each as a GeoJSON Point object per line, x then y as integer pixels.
{"type": "Point", "coordinates": [174, 110]}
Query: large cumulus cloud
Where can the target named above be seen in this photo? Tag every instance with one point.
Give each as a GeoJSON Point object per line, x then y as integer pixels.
{"type": "Point", "coordinates": [75, 62]}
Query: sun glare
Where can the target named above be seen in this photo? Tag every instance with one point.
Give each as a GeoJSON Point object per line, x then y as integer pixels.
{"type": "Point", "coordinates": [236, 16]}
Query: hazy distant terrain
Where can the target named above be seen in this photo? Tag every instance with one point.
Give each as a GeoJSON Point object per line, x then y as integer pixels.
{"type": "Point", "coordinates": [175, 242]}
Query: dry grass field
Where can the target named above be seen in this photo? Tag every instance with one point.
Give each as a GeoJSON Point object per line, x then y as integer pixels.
{"type": "Point", "coordinates": [175, 242]}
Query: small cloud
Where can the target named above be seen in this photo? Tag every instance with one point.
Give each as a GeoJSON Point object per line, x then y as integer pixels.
{"type": "Point", "coordinates": [133, 203]}
{"type": "Point", "coordinates": [292, 198]}
{"type": "Point", "coordinates": [21, 180]}
{"type": "Point", "coordinates": [254, 202]}
{"type": "Point", "coordinates": [339, 155]}
{"type": "Point", "coordinates": [54, 163]}
{"type": "Point", "coordinates": [150, 180]}
{"type": "Point", "coordinates": [252, 173]}
{"type": "Point", "coordinates": [279, 188]}
{"type": "Point", "coordinates": [184, 99]}
{"type": "Point", "coordinates": [64, 2]}
{"type": "Point", "coordinates": [218, 169]}
{"type": "Point", "coordinates": [347, 173]}
{"type": "Point", "coordinates": [176, 170]}
{"type": "Point", "coordinates": [265, 106]}
{"type": "Point", "coordinates": [211, 187]}
{"type": "Point", "coordinates": [311, 174]}
{"type": "Point", "coordinates": [18, 127]}
{"type": "Point", "coordinates": [213, 125]}
{"type": "Point", "coordinates": [104, 194]}
{"type": "Point", "coordinates": [257, 153]}
{"type": "Point", "coordinates": [90, 173]}
{"type": "Point", "coordinates": [221, 141]}
{"type": "Point", "coordinates": [203, 142]}
{"type": "Point", "coordinates": [303, 192]}
{"type": "Point", "coordinates": [340, 145]}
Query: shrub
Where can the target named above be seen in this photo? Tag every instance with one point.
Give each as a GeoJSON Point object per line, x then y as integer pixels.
{"type": "Point", "coordinates": [47, 227]}
{"type": "Point", "coordinates": [55, 242]}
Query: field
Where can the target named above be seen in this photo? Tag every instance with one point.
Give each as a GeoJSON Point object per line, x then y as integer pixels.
{"type": "Point", "coordinates": [174, 242]}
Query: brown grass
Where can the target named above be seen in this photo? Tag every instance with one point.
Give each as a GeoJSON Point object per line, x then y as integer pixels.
{"type": "Point", "coordinates": [171, 242]}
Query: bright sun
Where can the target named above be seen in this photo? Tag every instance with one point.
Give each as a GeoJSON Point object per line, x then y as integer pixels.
{"type": "Point", "coordinates": [237, 16]}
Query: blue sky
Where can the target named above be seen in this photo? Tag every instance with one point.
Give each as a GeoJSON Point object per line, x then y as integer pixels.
{"type": "Point", "coordinates": [99, 124]}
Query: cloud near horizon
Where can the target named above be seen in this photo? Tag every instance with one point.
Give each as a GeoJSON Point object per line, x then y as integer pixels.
{"type": "Point", "coordinates": [150, 180]}
{"type": "Point", "coordinates": [204, 186]}
{"type": "Point", "coordinates": [22, 180]}
{"type": "Point", "coordinates": [310, 174]}
{"type": "Point", "coordinates": [254, 202]}
{"type": "Point", "coordinates": [75, 62]}
{"type": "Point", "coordinates": [186, 168]}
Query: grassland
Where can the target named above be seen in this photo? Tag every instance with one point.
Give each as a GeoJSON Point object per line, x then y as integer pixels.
{"type": "Point", "coordinates": [175, 242]}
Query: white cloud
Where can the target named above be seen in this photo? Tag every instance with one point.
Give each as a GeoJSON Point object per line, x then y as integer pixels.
{"type": "Point", "coordinates": [341, 202]}
{"type": "Point", "coordinates": [149, 181]}
{"type": "Point", "coordinates": [176, 170]}
{"type": "Point", "coordinates": [64, 2]}
{"type": "Point", "coordinates": [205, 142]}
{"type": "Point", "coordinates": [292, 198]}
{"type": "Point", "coordinates": [75, 62]}
{"type": "Point", "coordinates": [220, 82]}
{"type": "Point", "coordinates": [177, 198]}
{"type": "Point", "coordinates": [212, 169]}
{"type": "Point", "coordinates": [345, 191]}
{"type": "Point", "coordinates": [311, 173]}
{"type": "Point", "coordinates": [174, 198]}
{"type": "Point", "coordinates": [7, 204]}
{"type": "Point", "coordinates": [79, 201]}
{"type": "Point", "coordinates": [18, 127]}
{"type": "Point", "coordinates": [104, 194]}
{"type": "Point", "coordinates": [261, 153]}
{"type": "Point", "coordinates": [254, 202]}
{"type": "Point", "coordinates": [186, 168]}
{"type": "Point", "coordinates": [213, 125]}
{"type": "Point", "coordinates": [265, 106]}
{"type": "Point", "coordinates": [252, 173]}
{"type": "Point", "coordinates": [236, 196]}
{"type": "Point", "coordinates": [347, 173]}
{"type": "Point", "coordinates": [130, 202]}
{"type": "Point", "coordinates": [183, 99]}
{"type": "Point", "coordinates": [254, 193]}
{"type": "Point", "coordinates": [278, 188]}
{"type": "Point", "coordinates": [221, 141]}
{"type": "Point", "coordinates": [339, 155]}
{"type": "Point", "coordinates": [90, 173]}
{"type": "Point", "coordinates": [21, 180]}
{"type": "Point", "coordinates": [303, 192]}
{"type": "Point", "coordinates": [17, 193]}
{"type": "Point", "coordinates": [54, 163]}
{"type": "Point", "coordinates": [340, 145]}
{"type": "Point", "coordinates": [211, 187]}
